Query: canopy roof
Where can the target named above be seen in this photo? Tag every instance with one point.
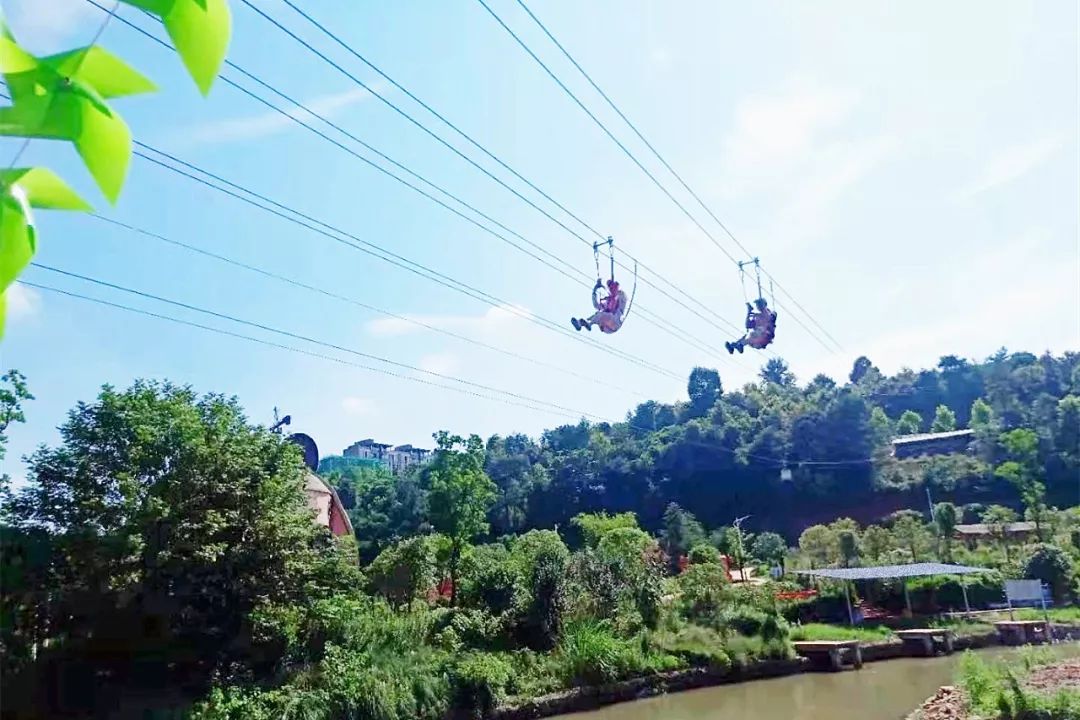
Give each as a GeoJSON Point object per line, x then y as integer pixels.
{"type": "Point", "coordinates": [883, 572]}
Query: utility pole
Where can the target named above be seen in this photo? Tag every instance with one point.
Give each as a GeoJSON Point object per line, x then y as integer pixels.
{"type": "Point", "coordinates": [737, 524]}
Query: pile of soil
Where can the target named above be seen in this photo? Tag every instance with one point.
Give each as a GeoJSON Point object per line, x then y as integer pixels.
{"type": "Point", "coordinates": [946, 704]}
{"type": "Point", "coordinates": [1060, 676]}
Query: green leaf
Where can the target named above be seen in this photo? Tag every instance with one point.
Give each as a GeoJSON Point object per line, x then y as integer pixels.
{"type": "Point", "coordinates": [13, 59]}
{"type": "Point", "coordinates": [44, 189]}
{"type": "Point", "coordinates": [17, 236]}
{"type": "Point", "coordinates": [100, 69]}
{"type": "Point", "coordinates": [3, 311]}
{"type": "Point", "coordinates": [77, 113]}
{"type": "Point", "coordinates": [200, 30]}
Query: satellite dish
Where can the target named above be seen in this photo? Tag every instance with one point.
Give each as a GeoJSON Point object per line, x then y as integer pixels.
{"type": "Point", "coordinates": [309, 448]}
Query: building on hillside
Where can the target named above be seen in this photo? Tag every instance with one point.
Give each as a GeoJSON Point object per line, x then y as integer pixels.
{"type": "Point", "coordinates": [397, 459]}
{"type": "Point", "coordinates": [329, 512]}
{"type": "Point", "coordinates": [367, 449]}
{"type": "Point", "coordinates": [1018, 531]}
{"type": "Point", "coordinates": [403, 457]}
{"type": "Point", "coordinates": [942, 443]}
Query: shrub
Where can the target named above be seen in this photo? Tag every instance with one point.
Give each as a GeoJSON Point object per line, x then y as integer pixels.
{"type": "Point", "coordinates": [590, 654]}
{"type": "Point", "coordinates": [541, 621]}
{"type": "Point", "coordinates": [487, 579]}
{"type": "Point", "coordinates": [1051, 565]}
{"type": "Point", "coordinates": [404, 571]}
{"type": "Point", "coordinates": [695, 644]}
{"type": "Point", "coordinates": [703, 590]}
{"type": "Point", "coordinates": [704, 554]}
{"type": "Point", "coordinates": [751, 622]}
{"type": "Point", "coordinates": [478, 684]}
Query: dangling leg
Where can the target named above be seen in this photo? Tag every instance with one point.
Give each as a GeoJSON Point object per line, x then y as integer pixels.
{"type": "Point", "coordinates": [576, 324]}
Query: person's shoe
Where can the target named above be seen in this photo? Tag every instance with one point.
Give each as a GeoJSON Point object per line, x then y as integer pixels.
{"type": "Point", "coordinates": [730, 348]}
{"type": "Point", "coordinates": [587, 325]}
{"type": "Point", "coordinates": [575, 323]}
{"type": "Point", "coordinates": [740, 348]}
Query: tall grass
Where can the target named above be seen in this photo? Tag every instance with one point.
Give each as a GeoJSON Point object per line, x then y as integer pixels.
{"type": "Point", "coordinates": [996, 689]}
{"type": "Point", "coordinates": [821, 631]}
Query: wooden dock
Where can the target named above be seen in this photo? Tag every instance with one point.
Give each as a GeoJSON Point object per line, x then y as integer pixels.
{"type": "Point", "coordinates": [1023, 632]}
{"type": "Point", "coordinates": [928, 640]}
{"type": "Point", "coordinates": [832, 651]}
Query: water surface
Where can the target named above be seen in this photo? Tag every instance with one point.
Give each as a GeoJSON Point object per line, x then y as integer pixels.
{"type": "Point", "coordinates": [887, 690]}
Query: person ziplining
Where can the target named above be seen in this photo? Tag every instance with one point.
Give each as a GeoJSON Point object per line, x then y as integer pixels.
{"type": "Point", "coordinates": [760, 318]}
{"type": "Point", "coordinates": [611, 309]}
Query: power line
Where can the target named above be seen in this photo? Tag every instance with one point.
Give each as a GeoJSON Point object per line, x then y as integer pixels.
{"type": "Point", "coordinates": [467, 137]}
{"type": "Point", "coordinates": [280, 346]}
{"type": "Point", "coordinates": [305, 338]}
{"type": "Point", "coordinates": [353, 301]}
{"type": "Point", "coordinates": [632, 157]}
{"type": "Point", "coordinates": [776, 462]}
{"type": "Point", "coordinates": [651, 317]}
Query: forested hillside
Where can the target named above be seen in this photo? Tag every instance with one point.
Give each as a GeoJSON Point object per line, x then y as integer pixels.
{"type": "Point", "coordinates": [720, 453]}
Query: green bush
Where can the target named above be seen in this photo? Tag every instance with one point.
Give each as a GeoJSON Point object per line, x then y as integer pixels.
{"type": "Point", "coordinates": [404, 571]}
{"type": "Point", "coordinates": [591, 654]}
{"type": "Point", "coordinates": [697, 645]}
{"type": "Point", "coordinates": [751, 622]}
{"type": "Point", "coordinates": [1051, 565]}
{"type": "Point", "coordinates": [702, 591]}
{"type": "Point", "coordinates": [478, 684]}
{"type": "Point", "coordinates": [703, 554]}
{"type": "Point", "coordinates": [487, 579]}
{"type": "Point", "coordinates": [540, 625]}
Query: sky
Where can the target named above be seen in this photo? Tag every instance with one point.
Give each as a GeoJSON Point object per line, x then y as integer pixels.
{"type": "Point", "coordinates": [908, 172]}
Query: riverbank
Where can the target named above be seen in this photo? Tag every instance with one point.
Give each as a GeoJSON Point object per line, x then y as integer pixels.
{"type": "Point", "coordinates": [591, 698]}
{"type": "Point", "coordinates": [953, 703]}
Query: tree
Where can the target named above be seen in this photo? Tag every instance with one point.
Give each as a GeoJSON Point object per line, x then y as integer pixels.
{"type": "Point", "coordinates": [769, 547]}
{"type": "Point", "coordinates": [459, 495]}
{"type": "Point", "coordinates": [911, 535]}
{"type": "Point", "coordinates": [848, 543]}
{"type": "Point", "coordinates": [777, 372]}
{"type": "Point", "coordinates": [170, 521]}
{"type": "Point", "coordinates": [1051, 565]}
{"type": "Point", "coordinates": [1024, 472]}
{"type": "Point", "coordinates": [997, 519]}
{"type": "Point", "coordinates": [704, 389]}
{"type": "Point", "coordinates": [13, 393]}
{"type": "Point", "coordinates": [946, 517]}
{"type": "Point", "coordinates": [909, 423]}
{"type": "Point", "coordinates": [594, 526]}
{"type": "Point", "coordinates": [876, 541]}
{"type": "Point", "coordinates": [862, 368]}
{"type": "Point", "coordinates": [982, 415]}
{"type": "Point", "coordinates": [681, 531]}
{"type": "Point", "coordinates": [820, 544]}
{"type": "Point", "coordinates": [405, 571]}
{"type": "Point", "coordinates": [881, 427]}
{"type": "Point", "coordinates": [944, 420]}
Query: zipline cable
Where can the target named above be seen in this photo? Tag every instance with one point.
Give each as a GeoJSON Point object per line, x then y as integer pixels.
{"type": "Point", "coordinates": [404, 263]}
{"type": "Point", "coordinates": [717, 447]}
{"type": "Point", "coordinates": [353, 301]}
{"type": "Point", "coordinates": [665, 163]}
{"type": "Point", "coordinates": [306, 338]}
{"type": "Point", "coordinates": [651, 317]}
{"type": "Point", "coordinates": [269, 343]}
{"type": "Point", "coordinates": [635, 160]}
{"type": "Point", "coordinates": [455, 150]}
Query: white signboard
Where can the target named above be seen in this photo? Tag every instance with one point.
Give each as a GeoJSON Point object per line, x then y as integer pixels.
{"type": "Point", "coordinates": [1023, 591]}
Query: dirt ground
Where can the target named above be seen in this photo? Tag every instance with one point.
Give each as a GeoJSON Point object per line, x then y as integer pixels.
{"type": "Point", "coordinates": [948, 702]}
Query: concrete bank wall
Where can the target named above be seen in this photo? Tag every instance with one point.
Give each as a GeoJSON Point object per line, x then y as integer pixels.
{"type": "Point", "coordinates": [590, 698]}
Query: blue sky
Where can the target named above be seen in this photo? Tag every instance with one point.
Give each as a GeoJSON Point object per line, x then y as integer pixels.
{"type": "Point", "coordinates": [909, 172]}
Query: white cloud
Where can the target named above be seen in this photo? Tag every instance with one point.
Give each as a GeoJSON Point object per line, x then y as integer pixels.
{"type": "Point", "coordinates": [270, 123]}
{"type": "Point", "coordinates": [47, 26]}
{"type": "Point", "coordinates": [22, 302]}
{"type": "Point", "coordinates": [1012, 163]}
{"type": "Point", "coordinates": [494, 319]}
{"type": "Point", "coordinates": [358, 406]}
{"type": "Point", "coordinates": [773, 131]}
{"type": "Point", "coordinates": [443, 363]}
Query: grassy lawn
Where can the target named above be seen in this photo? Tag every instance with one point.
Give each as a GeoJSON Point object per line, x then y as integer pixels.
{"type": "Point", "coordinates": [1060, 614]}
{"type": "Point", "coordinates": [821, 631]}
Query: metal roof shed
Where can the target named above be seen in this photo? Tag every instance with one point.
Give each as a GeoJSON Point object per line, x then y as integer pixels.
{"type": "Point", "coordinates": [889, 572]}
